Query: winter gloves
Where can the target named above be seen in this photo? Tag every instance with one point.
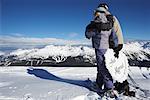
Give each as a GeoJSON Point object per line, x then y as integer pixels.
{"type": "Point", "coordinates": [90, 30]}
{"type": "Point", "coordinates": [91, 27]}
{"type": "Point", "coordinates": [117, 49]}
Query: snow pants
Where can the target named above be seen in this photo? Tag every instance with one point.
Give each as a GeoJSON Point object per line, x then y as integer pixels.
{"type": "Point", "coordinates": [103, 75]}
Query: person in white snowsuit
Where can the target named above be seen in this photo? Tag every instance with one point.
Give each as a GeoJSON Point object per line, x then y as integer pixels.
{"type": "Point", "coordinates": [103, 30]}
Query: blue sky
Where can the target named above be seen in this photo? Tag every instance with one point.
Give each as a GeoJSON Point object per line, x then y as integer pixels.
{"type": "Point", "coordinates": [67, 19]}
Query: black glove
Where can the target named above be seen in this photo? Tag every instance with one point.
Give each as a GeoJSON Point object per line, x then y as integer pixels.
{"type": "Point", "coordinates": [117, 49]}
{"type": "Point", "coordinates": [91, 26]}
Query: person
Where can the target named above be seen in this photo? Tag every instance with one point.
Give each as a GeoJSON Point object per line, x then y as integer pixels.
{"type": "Point", "coordinates": [105, 32]}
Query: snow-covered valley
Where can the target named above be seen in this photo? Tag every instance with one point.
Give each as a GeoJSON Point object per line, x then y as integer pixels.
{"type": "Point", "coordinates": [58, 83]}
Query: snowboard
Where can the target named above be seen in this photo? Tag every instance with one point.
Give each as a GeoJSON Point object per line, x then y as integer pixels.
{"type": "Point", "coordinates": [117, 67]}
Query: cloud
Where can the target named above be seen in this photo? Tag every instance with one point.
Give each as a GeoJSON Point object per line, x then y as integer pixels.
{"type": "Point", "coordinates": [73, 35]}
{"type": "Point", "coordinates": [15, 41]}
{"type": "Point", "coordinates": [17, 34]}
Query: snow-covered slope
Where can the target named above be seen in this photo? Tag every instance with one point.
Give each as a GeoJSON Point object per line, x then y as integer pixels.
{"type": "Point", "coordinates": [138, 53]}
{"type": "Point", "coordinates": [1, 53]}
{"type": "Point", "coordinates": [58, 83]}
{"type": "Point", "coordinates": [137, 50]}
{"type": "Point", "coordinates": [54, 51]}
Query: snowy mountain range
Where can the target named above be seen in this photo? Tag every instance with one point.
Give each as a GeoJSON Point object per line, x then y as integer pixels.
{"type": "Point", "coordinates": [138, 53]}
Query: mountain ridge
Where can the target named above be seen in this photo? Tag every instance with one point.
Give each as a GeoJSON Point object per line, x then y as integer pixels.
{"type": "Point", "coordinates": [138, 53]}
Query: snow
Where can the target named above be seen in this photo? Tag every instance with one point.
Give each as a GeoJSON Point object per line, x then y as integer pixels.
{"type": "Point", "coordinates": [82, 97]}
{"type": "Point", "coordinates": [1, 53]}
{"type": "Point", "coordinates": [133, 50]}
{"type": "Point", "coordinates": [2, 84]}
{"type": "Point", "coordinates": [56, 83]}
{"type": "Point", "coordinates": [55, 52]}
{"type": "Point", "coordinates": [65, 83]}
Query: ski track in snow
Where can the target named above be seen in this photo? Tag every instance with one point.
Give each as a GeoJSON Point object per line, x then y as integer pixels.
{"type": "Point", "coordinates": [17, 84]}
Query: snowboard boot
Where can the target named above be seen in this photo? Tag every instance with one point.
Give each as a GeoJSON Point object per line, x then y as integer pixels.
{"type": "Point", "coordinates": [111, 93]}
{"type": "Point", "coordinates": [124, 88]}
{"type": "Point", "coordinates": [129, 93]}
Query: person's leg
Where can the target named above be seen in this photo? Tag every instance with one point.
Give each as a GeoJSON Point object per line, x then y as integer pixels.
{"type": "Point", "coordinates": [99, 78]}
{"type": "Point", "coordinates": [103, 76]}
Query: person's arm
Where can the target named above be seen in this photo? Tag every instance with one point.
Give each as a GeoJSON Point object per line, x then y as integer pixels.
{"type": "Point", "coordinates": [90, 30]}
{"type": "Point", "coordinates": [118, 31]}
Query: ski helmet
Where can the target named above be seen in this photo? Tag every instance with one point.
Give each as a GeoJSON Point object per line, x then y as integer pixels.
{"type": "Point", "coordinates": [103, 5]}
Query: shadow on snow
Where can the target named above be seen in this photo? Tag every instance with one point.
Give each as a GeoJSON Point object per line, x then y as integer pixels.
{"type": "Point", "coordinates": [43, 74]}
